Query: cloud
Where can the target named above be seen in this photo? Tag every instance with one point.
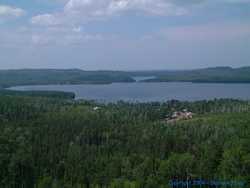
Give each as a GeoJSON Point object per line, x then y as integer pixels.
{"type": "Point", "coordinates": [109, 7]}
{"type": "Point", "coordinates": [80, 11]}
{"type": "Point", "coordinates": [62, 36]}
{"type": "Point", "coordinates": [77, 29]}
{"type": "Point", "coordinates": [45, 19]}
{"type": "Point", "coordinates": [155, 7]}
{"type": "Point", "coordinates": [69, 39]}
{"type": "Point", "coordinates": [7, 11]}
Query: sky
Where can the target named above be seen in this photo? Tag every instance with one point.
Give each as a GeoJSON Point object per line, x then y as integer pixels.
{"type": "Point", "coordinates": [124, 34]}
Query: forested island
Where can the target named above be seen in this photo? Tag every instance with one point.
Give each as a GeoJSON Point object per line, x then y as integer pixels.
{"type": "Point", "coordinates": [10, 78]}
{"type": "Point", "coordinates": [51, 142]}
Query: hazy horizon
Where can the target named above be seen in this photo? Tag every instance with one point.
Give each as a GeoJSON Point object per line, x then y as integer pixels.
{"type": "Point", "coordinates": [125, 70]}
{"type": "Point", "coordinates": [124, 34]}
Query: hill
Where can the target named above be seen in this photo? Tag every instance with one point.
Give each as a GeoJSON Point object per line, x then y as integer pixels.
{"type": "Point", "coordinates": [10, 78]}
{"type": "Point", "coordinates": [59, 76]}
{"type": "Point", "coordinates": [214, 75]}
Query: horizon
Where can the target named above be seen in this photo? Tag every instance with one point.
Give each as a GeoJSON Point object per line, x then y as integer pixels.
{"type": "Point", "coordinates": [124, 34]}
{"type": "Point", "coordinates": [142, 70]}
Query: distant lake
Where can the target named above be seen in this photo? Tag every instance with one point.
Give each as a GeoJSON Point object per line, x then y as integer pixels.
{"type": "Point", "coordinates": [147, 92]}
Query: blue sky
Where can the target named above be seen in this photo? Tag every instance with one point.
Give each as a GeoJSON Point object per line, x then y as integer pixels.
{"type": "Point", "coordinates": [124, 34]}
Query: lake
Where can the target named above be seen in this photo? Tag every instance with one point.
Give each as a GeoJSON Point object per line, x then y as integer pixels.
{"type": "Point", "coordinates": [148, 92]}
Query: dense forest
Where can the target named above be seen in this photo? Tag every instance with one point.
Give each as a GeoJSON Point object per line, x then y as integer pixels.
{"type": "Point", "coordinates": [52, 142]}
{"type": "Point", "coordinates": [10, 78]}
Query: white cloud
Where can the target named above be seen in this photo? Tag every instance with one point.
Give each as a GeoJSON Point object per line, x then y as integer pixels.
{"type": "Point", "coordinates": [77, 29]}
{"type": "Point", "coordinates": [155, 7]}
{"type": "Point", "coordinates": [62, 36]}
{"type": "Point", "coordinates": [7, 11]}
{"type": "Point", "coordinates": [79, 11]}
{"type": "Point", "coordinates": [45, 19]}
{"type": "Point", "coordinates": [82, 11]}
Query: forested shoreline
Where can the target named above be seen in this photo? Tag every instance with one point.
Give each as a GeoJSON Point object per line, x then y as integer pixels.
{"type": "Point", "coordinates": [51, 94]}
{"type": "Point", "coordinates": [19, 77]}
{"type": "Point", "coordinates": [207, 75]}
{"type": "Point", "coordinates": [54, 142]}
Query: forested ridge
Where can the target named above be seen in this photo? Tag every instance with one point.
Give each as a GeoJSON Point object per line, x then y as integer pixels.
{"type": "Point", "coordinates": [9, 78]}
{"type": "Point", "coordinates": [18, 77]}
{"type": "Point", "coordinates": [54, 142]}
{"type": "Point", "coordinates": [206, 75]}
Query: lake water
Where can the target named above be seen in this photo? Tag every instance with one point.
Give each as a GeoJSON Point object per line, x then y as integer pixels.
{"type": "Point", "coordinates": [147, 92]}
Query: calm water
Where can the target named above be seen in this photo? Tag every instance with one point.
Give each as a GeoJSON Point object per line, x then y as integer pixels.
{"type": "Point", "coordinates": [145, 92]}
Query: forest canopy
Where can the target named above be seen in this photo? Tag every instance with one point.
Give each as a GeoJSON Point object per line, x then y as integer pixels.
{"type": "Point", "coordinates": [54, 142]}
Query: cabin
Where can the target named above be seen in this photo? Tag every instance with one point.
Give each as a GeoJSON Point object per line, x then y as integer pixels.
{"type": "Point", "coordinates": [179, 115]}
{"type": "Point", "coordinates": [96, 108]}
